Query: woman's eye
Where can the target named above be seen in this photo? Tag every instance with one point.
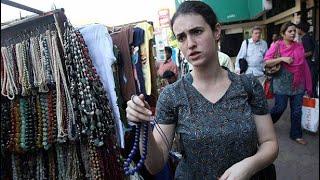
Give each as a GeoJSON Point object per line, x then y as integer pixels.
{"type": "Point", "coordinates": [197, 32]}
{"type": "Point", "coordinates": [181, 39]}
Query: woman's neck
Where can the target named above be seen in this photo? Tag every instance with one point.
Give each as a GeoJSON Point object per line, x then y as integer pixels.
{"type": "Point", "coordinates": [210, 73]}
{"type": "Point", "coordinates": [287, 42]}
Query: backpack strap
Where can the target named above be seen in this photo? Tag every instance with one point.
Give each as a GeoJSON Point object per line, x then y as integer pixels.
{"type": "Point", "coordinates": [247, 43]}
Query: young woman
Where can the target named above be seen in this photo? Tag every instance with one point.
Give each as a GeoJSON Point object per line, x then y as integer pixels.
{"type": "Point", "coordinates": [293, 80]}
{"type": "Point", "coordinates": [220, 126]}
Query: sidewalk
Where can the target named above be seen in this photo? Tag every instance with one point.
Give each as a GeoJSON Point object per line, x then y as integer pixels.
{"type": "Point", "coordinates": [295, 161]}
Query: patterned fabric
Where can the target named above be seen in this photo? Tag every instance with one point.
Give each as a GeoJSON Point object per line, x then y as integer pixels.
{"type": "Point", "coordinates": [214, 135]}
{"type": "Point", "coordinates": [282, 84]}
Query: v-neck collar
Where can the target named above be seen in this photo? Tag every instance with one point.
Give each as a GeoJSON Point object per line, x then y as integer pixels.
{"type": "Point", "coordinates": [189, 80]}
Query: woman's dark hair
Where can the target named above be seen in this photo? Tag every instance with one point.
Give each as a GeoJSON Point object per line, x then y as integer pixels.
{"type": "Point", "coordinates": [168, 50]}
{"type": "Point", "coordinates": [168, 74]}
{"type": "Point", "coordinates": [198, 8]}
{"type": "Point", "coordinates": [285, 26]}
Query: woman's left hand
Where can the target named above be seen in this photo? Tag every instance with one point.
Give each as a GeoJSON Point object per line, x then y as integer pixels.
{"type": "Point", "coordinates": [239, 171]}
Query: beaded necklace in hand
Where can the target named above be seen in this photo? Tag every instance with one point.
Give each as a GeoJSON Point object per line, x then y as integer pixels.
{"type": "Point", "coordinates": [135, 149]}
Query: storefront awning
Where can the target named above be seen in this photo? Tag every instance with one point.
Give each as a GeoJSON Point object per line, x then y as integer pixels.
{"type": "Point", "coordinates": [236, 10]}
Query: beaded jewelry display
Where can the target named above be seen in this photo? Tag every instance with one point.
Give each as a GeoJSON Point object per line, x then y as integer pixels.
{"type": "Point", "coordinates": [88, 96]}
{"type": "Point", "coordinates": [5, 124]}
{"type": "Point", "coordinates": [55, 102]}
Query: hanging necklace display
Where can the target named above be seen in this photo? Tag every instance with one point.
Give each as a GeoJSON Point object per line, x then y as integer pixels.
{"type": "Point", "coordinates": [40, 114]}
{"type": "Point", "coordinates": [5, 124]}
{"type": "Point", "coordinates": [9, 88]}
{"type": "Point", "coordinates": [88, 96]}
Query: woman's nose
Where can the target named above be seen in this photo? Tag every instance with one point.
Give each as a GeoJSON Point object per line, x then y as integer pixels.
{"type": "Point", "coordinates": [191, 42]}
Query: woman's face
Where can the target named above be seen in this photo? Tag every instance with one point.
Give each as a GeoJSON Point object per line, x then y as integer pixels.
{"type": "Point", "coordinates": [274, 37]}
{"type": "Point", "coordinates": [289, 34]}
{"type": "Point", "coordinates": [196, 39]}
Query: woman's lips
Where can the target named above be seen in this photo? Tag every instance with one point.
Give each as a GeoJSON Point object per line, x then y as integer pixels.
{"type": "Point", "coordinates": [194, 55]}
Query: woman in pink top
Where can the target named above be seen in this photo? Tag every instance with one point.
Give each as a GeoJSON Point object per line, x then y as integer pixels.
{"type": "Point", "coordinates": [293, 80]}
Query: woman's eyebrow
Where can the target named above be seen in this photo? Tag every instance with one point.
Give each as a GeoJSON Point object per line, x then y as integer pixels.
{"type": "Point", "coordinates": [190, 30]}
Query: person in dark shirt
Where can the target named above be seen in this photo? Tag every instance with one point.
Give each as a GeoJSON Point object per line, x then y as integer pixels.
{"type": "Point", "coordinates": [309, 48]}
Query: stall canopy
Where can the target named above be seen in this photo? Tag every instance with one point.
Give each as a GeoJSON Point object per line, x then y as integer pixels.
{"type": "Point", "coordinates": [236, 10]}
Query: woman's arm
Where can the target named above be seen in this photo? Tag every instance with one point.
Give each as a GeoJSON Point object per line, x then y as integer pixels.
{"type": "Point", "coordinates": [268, 144]}
{"type": "Point", "coordinates": [273, 62]}
{"type": "Point", "coordinates": [159, 145]}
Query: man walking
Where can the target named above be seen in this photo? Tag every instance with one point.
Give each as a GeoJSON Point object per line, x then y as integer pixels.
{"type": "Point", "coordinates": [253, 51]}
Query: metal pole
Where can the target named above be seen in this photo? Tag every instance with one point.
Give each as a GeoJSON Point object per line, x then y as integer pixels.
{"type": "Point", "coordinates": [21, 6]}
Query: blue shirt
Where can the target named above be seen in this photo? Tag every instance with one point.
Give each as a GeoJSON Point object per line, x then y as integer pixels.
{"type": "Point", "coordinates": [254, 56]}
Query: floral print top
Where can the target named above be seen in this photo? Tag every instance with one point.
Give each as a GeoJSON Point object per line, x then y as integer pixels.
{"type": "Point", "coordinates": [214, 136]}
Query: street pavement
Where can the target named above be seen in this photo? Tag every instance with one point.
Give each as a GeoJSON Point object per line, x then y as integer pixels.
{"type": "Point", "coordinates": [295, 161]}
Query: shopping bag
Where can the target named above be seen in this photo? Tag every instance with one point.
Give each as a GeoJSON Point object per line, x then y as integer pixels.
{"type": "Point", "coordinates": [310, 114]}
{"type": "Point", "coordinates": [267, 89]}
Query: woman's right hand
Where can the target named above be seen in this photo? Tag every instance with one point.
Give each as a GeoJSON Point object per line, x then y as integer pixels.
{"type": "Point", "coordinates": [138, 110]}
{"type": "Point", "coordinates": [287, 60]}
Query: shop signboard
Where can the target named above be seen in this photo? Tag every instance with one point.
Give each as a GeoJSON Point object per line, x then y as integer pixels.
{"type": "Point", "coordinates": [164, 17]}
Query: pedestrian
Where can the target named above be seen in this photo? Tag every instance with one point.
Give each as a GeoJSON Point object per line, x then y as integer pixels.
{"type": "Point", "coordinates": [168, 64]}
{"type": "Point", "coordinates": [253, 51]}
{"type": "Point", "coordinates": [309, 45]}
{"type": "Point", "coordinates": [292, 81]}
{"type": "Point", "coordinates": [226, 132]}
{"type": "Point", "coordinates": [275, 38]}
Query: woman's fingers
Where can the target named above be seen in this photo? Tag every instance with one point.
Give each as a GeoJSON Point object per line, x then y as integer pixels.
{"type": "Point", "coordinates": [138, 100]}
{"type": "Point", "coordinates": [138, 108]}
{"type": "Point", "coordinates": [137, 117]}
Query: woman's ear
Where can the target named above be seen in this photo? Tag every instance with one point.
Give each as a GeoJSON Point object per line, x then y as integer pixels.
{"type": "Point", "coordinates": [217, 32]}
